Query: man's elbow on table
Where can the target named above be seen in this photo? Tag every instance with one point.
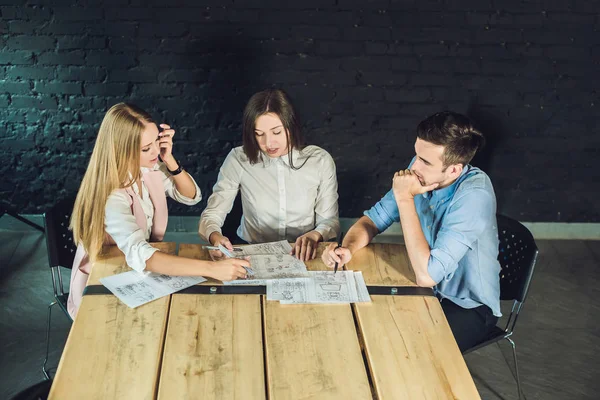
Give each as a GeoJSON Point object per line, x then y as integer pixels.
{"type": "Point", "coordinates": [424, 280]}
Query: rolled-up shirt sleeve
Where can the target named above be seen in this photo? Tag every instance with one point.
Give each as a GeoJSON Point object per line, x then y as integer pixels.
{"type": "Point", "coordinates": [385, 212]}
{"type": "Point", "coordinates": [221, 200]}
{"type": "Point", "coordinates": [121, 225]}
{"type": "Point", "coordinates": [463, 224]}
{"type": "Point", "coordinates": [171, 189]}
{"type": "Point", "coordinates": [326, 206]}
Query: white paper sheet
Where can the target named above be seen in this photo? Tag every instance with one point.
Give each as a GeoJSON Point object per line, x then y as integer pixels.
{"type": "Point", "coordinates": [294, 291]}
{"type": "Point", "coordinates": [320, 287]}
{"type": "Point", "coordinates": [281, 247]}
{"type": "Point", "coordinates": [334, 288]}
{"type": "Point", "coordinates": [135, 289]}
{"type": "Point", "coordinates": [361, 288]}
{"type": "Point", "coordinates": [277, 266]}
{"type": "Point", "coordinates": [246, 282]}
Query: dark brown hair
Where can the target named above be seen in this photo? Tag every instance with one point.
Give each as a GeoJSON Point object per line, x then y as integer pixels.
{"type": "Point", "coordinates": [456, 133]}
{"type": "Point", "coordinates": [274, 101]}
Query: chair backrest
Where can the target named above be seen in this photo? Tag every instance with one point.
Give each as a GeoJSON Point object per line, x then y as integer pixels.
{"type": "Point", "coordinates": [59, 239]}
{"type": "Point", "coordinates": [232, 221]}
{"type": "Point", "coordinates": [38, 391]}
{"type": "Point", "coordinates": [517, 256]}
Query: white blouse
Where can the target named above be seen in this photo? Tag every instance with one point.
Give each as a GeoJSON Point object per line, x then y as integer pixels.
{"type": "Point", "coordinates": [121, 225]}
{"type": "Point", "coordinates": [278, 202]}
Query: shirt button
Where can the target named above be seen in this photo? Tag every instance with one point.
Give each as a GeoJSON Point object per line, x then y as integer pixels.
{"type": "Point", "coordinates": [428, 226]}
{"type": "Point", "coordinates": [431, 207]}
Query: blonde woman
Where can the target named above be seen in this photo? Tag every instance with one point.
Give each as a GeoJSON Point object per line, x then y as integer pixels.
{"type": "Point", "coordinates": [122, 201]}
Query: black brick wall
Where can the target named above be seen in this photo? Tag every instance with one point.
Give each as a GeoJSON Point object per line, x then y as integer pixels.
{"type": "Point", "coordinates": [362, 74]}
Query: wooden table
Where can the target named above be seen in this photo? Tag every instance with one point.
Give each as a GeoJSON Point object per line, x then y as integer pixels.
{"type": "Point", "coordinates": [113, 351]}
{"type": "Point", "coordinates": [409, 346]}
{"type": "Point", "coordinates": [245, 347]}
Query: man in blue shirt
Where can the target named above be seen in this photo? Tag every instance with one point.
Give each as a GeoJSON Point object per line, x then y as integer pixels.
{"type": "Point", "coordinates": [447, 209]}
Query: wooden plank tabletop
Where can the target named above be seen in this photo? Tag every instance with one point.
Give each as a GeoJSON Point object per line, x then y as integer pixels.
{"type": "Point", "coordinates": [113, 351]}
{"type": "Point", "coordinates": [214, 346]}
{"type": "Point", "coordinates": [383, 264]}
{"type": "Point", "coordinates": [312, 350]}
{"type": "Point", "coordinates": [410, 348]}
{"type": "Point", "coordinates": [411, 351]}
{"type": "Point", "coordinates": [243, 346]}
{"type": "Point", "coordinates": [112, 261]}
{"type": "Point", "coordinates": [196, 251]}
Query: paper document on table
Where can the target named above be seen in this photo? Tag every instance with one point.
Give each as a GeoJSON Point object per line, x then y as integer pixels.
{"type": "Point", "coordinates": [291, 291]}
{"type": "Point", "coordinates": [334, 288]}
{"type": "Point", "coordinates": [135, 289]}
{"type": "Point", "coordinates": [281, 247]}
{"type": "Point", "coordinates": [246, 282]}
{"type": "Point", "coordinates": [361, 288]}
{"type": "Point", "coordinates": [320, 287]}
{"type": "Point", "coordinates": [277, 266]}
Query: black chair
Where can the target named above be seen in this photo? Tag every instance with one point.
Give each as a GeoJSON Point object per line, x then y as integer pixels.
{"type": "Point", "coordinates": [61, 252]}
{"type": "Point", "coordinates": [232, 221]}
{"type": "Point", "coordinates": [39, 391]}
{"type": "Point", "coordinates": [517, 256]}
{"type": "Point", "coordinates": [7, 208]}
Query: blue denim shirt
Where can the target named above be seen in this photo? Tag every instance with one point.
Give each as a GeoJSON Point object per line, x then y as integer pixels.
{"type": "Point", "coordinates": [459, 223]}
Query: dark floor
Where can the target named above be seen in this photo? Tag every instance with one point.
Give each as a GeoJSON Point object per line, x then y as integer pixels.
{"type": "Point", "coordinates": [557, 335]}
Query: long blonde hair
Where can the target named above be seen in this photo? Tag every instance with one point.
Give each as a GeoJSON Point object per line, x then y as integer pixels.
{"type": "Point", "coordinates": [115, 164]}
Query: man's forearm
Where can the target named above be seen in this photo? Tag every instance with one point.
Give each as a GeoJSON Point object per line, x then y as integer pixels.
{"type": "Point", "coordinates": [416, 244]}
{"type": "Point", "coordinates": [360, 234]}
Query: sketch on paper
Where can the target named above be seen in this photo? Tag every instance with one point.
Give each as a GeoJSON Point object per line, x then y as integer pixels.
{"type": "Point", "coordinates": [267, 261]}
{"type": "Point", "coordinates": [319, 287]}
{"type": "Point", "coordinates": [271, 248]}
{"type": "Point", "coordinates": [174, 282]}
{"type": "Point", "coordinates": [135, 289]}
{"type": "Point", "coordinates": [246, 282]}
{"type": "Point", "coordinates": [286, 277]}
{"type": "Point", "coordinates": [132, 289]}
{"type": "Point", "coordinates": [279, 266]}
{"type": "Point", "coordinates": [334, 288]}
{"type": "Point", "coordinates": [293, 291]}
{"type": "Point", "coordinates": [144, 297]}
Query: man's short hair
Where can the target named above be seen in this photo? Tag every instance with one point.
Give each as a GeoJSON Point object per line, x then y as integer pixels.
{"type": "Point", "coordinates": [455, 132]}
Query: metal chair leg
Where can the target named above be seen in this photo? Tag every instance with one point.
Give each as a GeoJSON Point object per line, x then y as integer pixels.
{"type": "Point", "coordinates": [48, 339]}
{"type": "Point", "coordinates": [516, 365]}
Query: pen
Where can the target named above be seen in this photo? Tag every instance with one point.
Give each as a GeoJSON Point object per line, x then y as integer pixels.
{"type": "Point", "coordinates": [338, 246]}
{"type": "Point", "coordinates": [217, 248]}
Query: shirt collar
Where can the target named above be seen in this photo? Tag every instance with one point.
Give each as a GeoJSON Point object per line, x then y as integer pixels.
{"type": "Point", "coordinates": [448, 191]}
{"type": "Point", "coordinates": [144, 170]}
{"type": "Point", "coordinates": [156, 167]}
{"type": "Point", "coordinates": [285, 158]}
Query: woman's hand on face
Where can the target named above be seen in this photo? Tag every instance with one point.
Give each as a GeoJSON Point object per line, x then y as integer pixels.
{"type": "Point", "coordinates": [305, 248]}
{"type": "Point", "coordinates": [165, 142]}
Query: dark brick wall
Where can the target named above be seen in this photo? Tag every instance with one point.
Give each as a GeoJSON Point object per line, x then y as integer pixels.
{"type": "Point", "coordinates": [362, 74]}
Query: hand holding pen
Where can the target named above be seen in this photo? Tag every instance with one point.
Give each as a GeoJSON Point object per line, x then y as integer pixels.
{"type": "Point", "coordinates": [217, 239]}
{"type": "Point", "coordinates": [335, 255]}
{"type": "Point", "coordinates": [217, 248]}
{"type": "Point", "coordinates": [338, 246]}
{"type": "Point", "coordinates": [230, 254]}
